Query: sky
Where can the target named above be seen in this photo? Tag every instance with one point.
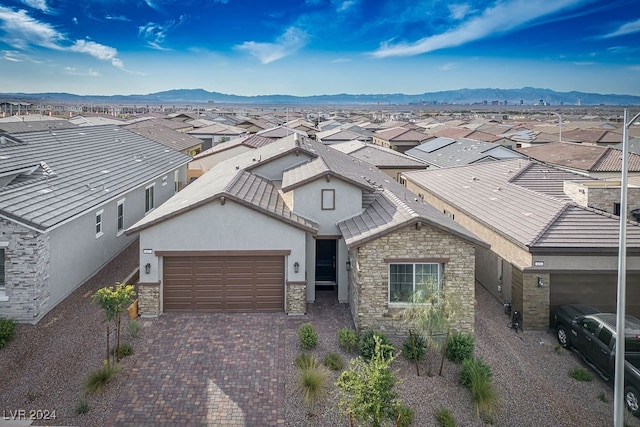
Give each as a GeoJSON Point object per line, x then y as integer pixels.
{"type": "Point", "coordinates": [317, 47]}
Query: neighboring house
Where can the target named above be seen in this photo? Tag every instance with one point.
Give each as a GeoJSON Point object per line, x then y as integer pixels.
{"type": "Point", "coordinates": [551, 241]}
{"type": "Point", "coordinates": [66, 197]}
{"type": "Point", "coordinates": [339, 135]}
{"type": "Point", "coordinates": [254, 125]}
{"type": "Point", "coordinates": [263, 230]}
{"type": "Point", "coordinates": [223, 151]}
{"type": "Point", "coordinates": [216, 133]}
{"type": "Point", "coordinates": [591, 160]}
{"type": "Point", "coordinates": [280, 132]}
{"type": "Point", "coordinates": [156, 130]}
{"type": "Point", "coordinates": [389, 161]}
{"type": "Point", "coordinates": [446, 152]}
{"type": "Point", "coordinates": [399, 138]}
{"type": "Point", "coordinates": [592, 136]}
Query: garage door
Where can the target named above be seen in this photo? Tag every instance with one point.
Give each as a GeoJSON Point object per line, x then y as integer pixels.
{"type": "Point", "coordinates": [224, 283]}
{"type": "Point", "coordinates": [595, 289]}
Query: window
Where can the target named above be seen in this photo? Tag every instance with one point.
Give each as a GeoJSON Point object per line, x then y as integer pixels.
{"type": "Point", "coordinates": [164, 181]}
{"type": "Point", "coordinates": [605, 335]}
{"type": "Point", "coordinates": [407, 279]}
{"type": "Point", "coordinates": [99, 218]}
{"type": "Point", "coordinates": [590, 325]}
{"type": "Point", "coordinates": [616, 209]}
{"type": "Point", "coordinates": [120, 217]}
{"type": "Point", "coordinates": [148, 198]}
{"type": "Point", "coordinates": [328, 199]}
{"type": "Point", "coordinates": [176, 178]}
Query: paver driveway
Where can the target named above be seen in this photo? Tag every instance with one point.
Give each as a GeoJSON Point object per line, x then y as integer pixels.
{"type": "Point", "coordinates": [207, 369]}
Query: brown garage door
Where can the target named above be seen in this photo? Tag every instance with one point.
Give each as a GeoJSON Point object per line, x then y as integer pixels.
{"type": "Point", "coordinates": [224, 283]}
{"type": "Point", "coordinates": [597, 289]}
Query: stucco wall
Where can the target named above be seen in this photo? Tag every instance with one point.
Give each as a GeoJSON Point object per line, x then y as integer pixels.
{"type": "Point", "coordinates": [369, 287]}
{"type": "Point", "coordinates": [217, 227]}
{"type": "Point", "coordinates": [272, 170]}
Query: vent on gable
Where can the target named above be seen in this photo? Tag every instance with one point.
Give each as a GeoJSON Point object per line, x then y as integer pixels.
{"type": "Point", "coordinates": [25, 174]}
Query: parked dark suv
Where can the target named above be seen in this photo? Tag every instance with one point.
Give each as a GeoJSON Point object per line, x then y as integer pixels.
{"type": "Point", "coordinates": [592, 334]}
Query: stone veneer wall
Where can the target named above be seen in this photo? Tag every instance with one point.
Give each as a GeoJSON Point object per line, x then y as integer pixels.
{"type": "Point", "coordinates": [602, 197]}
{"type": "Point", "coordinates": [149, 299]}
{"type": "Point", "coordinates": [535, 301]}
{"type": "Point", "coordinates": [369, 279]}
{"type": "Point", "coordinates": [296, 298]}
{"type": "Point", "coordinates": [26, 272]}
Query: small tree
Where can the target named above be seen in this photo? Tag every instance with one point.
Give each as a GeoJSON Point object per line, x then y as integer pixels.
{"type": "Point", "coordinates": [367, 388]}
{"type": "Point", "coordinates": [114, 301]}
{"type": "Point", "coordinates": [431, 315]}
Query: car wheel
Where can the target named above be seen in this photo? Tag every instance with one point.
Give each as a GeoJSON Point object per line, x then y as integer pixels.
{"type": "Point", "coordinates": [631, 400]}
{"type": "Point", "coordinates": [563, 336]}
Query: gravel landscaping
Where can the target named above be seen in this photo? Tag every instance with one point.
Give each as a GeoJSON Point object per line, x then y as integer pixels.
{"type": "Point", "coordinates": [44, 368]}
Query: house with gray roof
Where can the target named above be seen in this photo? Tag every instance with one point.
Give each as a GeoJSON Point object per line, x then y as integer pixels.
{"type": "Point", "coordinates": [445, 152]}
{"type": "Point", "coordinates": [156, 130]}
{"type": "Point", "coordinates": [266, 230]}
{"type": "Point", "coordinates": [66, 197]}
{"type": "Point", "coordinates": [553, 233]}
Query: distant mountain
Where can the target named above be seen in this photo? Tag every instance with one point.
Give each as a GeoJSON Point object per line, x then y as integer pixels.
{"type": "Point", "coordinates": [524, 96]}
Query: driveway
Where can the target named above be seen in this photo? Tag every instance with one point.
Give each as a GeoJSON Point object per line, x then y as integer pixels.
{"type": "Point", "coordinates": [207, 369]}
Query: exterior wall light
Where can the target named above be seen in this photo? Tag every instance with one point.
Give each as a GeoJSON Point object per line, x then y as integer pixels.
{"type": "Point", "coordinates": [348, 265]}
{"type": "Point", "coordinates": [540, 282]}
{"type": "Point", "coordinates": [147, 268]}
{"type": "Point", "coordinates": [296, 267]}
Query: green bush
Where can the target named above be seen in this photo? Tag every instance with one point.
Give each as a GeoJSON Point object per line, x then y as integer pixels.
{"type": "Point", "coordinates": [414, 343]}
{"type": "Point", "coordinates": [348, 340]}
{"type": "Point", "coordinates": [7, 330]}
{"type": "Point", "coordinates": [460, 347]}
{"type": "Point", "coordinates": [403, 415]}
{"type": "Point", "coordinates": [580, 374]}
{"type": "Point", "coordinates": [306, 361]}
{"type": "Point", "coordinates": [100, 377]}
{"type": "Point", "coordinates": [125, 349]}
{"type": "Point", "coordinates": [82, 406]}
{"type": "Point", "coordinates": [474, 368]}
{"type": "Point", "coordinates": [333, 361]}
{"type": "Point", "coordinates": [445, 418]}
{"type": "Point", "coordinates": [308, 336]}
{"type": "Point", "coordinates": [133, 328]}
{"type": "Point", "coordinates": [314, 384]}
{"type": "Point", "coordinates": [368, 346]}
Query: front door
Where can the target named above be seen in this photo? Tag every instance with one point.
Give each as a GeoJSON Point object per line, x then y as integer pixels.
{"type": "Point", "coordinates": [326, 260]}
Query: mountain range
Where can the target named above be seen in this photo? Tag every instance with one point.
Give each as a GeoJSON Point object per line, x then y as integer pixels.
{"type": "Point", "coordinates": [523, 96]}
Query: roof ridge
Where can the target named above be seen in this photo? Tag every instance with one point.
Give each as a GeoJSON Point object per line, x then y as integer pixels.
{"type": "Point", "coordinates": [521, 171]}
{"type": "Point", "coordinates": [234, 180]}
{"type": "Point", "coordinates": [601, 157]}
{"type": "Point", "coordinates": [400, 202]}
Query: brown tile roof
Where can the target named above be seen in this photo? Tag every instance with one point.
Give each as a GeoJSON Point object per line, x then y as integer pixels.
{"type": "Point", "coordinates": [592, 135]}
{"type": "Point", "coordinates": [591, 158]}
{"type": "Point", "coordinates": [165, 135]}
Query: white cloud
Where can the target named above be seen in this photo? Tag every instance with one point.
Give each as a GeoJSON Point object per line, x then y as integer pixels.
{"type": "Point", "coordinates": [38, 4]}
{"type": "Point", "coordinates": [501, 18]}
{"type": "Point", "coordinates": [75, 72]}
{"type": "Point", "coordinates": [459, 11]}
{"type": "Point", "coordinates": [448, 66]}
{"type": "Point", "coordinates": [74, 20]}
{"type": "Point", "coordinates": [623, 30]}
{"type": "Point", "coordinates": [22, 31]}
{"type": "Point", "coordinates": [155, 34]}
{"type": "Point", "coordinates": [342, 6]}
{"type": "Point", "coordinates": [117, 18]}
{"type": "Point", "coordinates": [288, 43]}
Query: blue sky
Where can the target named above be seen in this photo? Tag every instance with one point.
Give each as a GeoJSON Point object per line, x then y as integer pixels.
{"type": "Point", "coordinates": [314, 47]}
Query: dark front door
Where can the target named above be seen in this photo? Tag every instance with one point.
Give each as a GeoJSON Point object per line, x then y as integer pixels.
{"type": "Point", "coordinates": [325, 260]}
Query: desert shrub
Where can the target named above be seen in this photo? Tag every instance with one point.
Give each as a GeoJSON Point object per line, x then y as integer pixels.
{"type": "Point", "coordinates": [313, 381]}
{"type": "Point", "coordinates": [306, 361]}
{"type": "Point", "coordinates": [403, 415]}
{"type": "Point", "coordinates": [460, 347]}
{"type": "Point", "coordinates": [133, 328]}
{"type": "Point", "coordinates": [445, 418]}
{"type": "Point", "coordinates": [7, 330]}
{"type": "Point", "coordinates": [368, 345]}
{"type": "Point", "coordinates": [308, 336]}
{"type": "Point", "coordinates": [333, 361]}
{"type": "Point", "coordinates": [125, 349]}
{"type": "Point", "coordinates": [580, 374]}
{"type": "Point", "coordinates": [474, 368]}
{"type": "Point", "coordinates": [414, 343]}
{"type": "Point", "coordinates": [348, 339]}
{"type": "Point", "coordinates": [82, 406]}
{"type": "Point", "coordinates": [97, 379]}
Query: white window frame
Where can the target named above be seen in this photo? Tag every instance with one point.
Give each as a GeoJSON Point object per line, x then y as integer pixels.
{"type": "Point", "coordinates": [176, 180]}
{"type": "Point", "coordinates": [149, 202]}
{"type": "Point", "coordinates": [3, 272]}
{"type": "Point", "coordinates": [164, 180]}
{"type": "Point", "coordinates": [119, 218]}
{"type": "Point", "coordinates": [390, 298]}
{"type": "Point", "coordinates": [99, 223]}
{"type": "Point", "coordinates": [328, 199]}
